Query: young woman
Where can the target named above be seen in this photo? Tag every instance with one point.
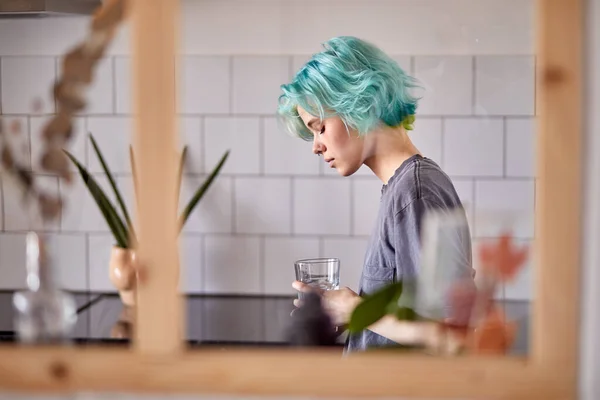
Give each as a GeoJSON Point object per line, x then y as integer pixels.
{"type": "Point", "coordinates": [355, 104]}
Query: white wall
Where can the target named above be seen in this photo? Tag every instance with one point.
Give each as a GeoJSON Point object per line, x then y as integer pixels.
{"type": "Point", "coordinates": [274, 202]}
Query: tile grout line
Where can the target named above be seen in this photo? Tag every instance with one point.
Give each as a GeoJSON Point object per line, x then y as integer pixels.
{"type": "Point", "coordinates": [352, 205]}
{"type": "Point", "coordinates": [474, 207]}
{"type": "Point", "coordinates": [2, 204]}
{"type": "Point", "coordinates": [442, 143]}
{"type": "Point", "coordinates": [129, 115]}
{"type": "Point", "coordinates": [203, 161]}
{"type": "Point", "coordinates": [261, 146]}
{"type": "Point", "coordinates": [87, 261]}
{"type": "Point", "coordinates": [233, 208]}
{"type": "Point", "coordinates": [86, 157]}
{"type": "Point", "coordinates": [212, 234]}
{"type": "Point", "coordinates": [231, 84]}
{"type": "Point", "coordinates": [203, 263]}
{"type": "Point", "coordinates": [182, 140]}
{"type": "Point", "coordinates": [292, 205]}
{"type": "Point", "coordinates": [261, 264]}
{"type": "Point", "coordinates": [313, 177]}
{"type": "Point", "coordinates": [202, 54]}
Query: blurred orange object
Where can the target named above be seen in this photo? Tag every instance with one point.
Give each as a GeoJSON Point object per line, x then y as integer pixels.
{"type": "Point", "coordinates": [502, 259]}
{"type": "Point", "coordinates": [494, 335]}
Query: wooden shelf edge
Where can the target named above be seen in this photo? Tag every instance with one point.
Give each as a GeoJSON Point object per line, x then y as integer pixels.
{"type": "Point", "coordinates": [272, 372]}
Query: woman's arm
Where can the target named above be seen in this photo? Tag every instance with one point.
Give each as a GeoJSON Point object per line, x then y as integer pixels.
{"type": "Point", "coordinates": [405, 332]}
{"type": "Point", "coordinates": [340, 304]}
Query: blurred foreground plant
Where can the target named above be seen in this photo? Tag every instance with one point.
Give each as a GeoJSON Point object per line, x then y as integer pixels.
{"type": "Point", "coordinates": [475, 324]}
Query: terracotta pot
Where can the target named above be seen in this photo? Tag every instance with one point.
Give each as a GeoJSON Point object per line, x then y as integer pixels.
{"type": "Point", "coordinates": [122, 274]}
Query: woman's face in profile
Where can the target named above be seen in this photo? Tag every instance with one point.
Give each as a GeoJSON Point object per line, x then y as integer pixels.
{"type": "Point", "coordinates": [341, 149]}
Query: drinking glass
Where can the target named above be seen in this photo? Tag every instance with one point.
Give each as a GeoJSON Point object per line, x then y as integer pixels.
{"type": "Point", "coordinates": [320, 273]}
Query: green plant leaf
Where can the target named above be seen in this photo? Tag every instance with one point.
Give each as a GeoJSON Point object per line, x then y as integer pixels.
{"type": "Point", "coordinates": [114, 186]}
{"type": "Point", "coordinates": [111, 217]}
{"type": "Point", "coordinates": [374, 307]}
{"type": "Point", "coordinates": [406, 314]}
{"type": "Point", "coordinates": [201, 191]}
{"type": "Point", "coordinates": [180, 172]}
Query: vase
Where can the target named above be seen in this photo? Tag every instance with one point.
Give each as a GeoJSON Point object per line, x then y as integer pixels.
{"type": "Point", "coordinates": [122, 274]}
{"type": "Point", "coordinates": [43, 313]}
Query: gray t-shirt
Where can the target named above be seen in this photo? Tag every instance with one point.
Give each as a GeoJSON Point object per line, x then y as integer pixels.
{"type": "Point", "coordinates": [394, 249]}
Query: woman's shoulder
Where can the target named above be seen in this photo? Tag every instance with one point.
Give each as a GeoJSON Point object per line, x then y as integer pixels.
{"type": "Point", "coordinates": [423, 180]}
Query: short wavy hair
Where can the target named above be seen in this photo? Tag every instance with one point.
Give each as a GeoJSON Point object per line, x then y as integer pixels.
{"type": "Point", "coordinates": [354, 80]}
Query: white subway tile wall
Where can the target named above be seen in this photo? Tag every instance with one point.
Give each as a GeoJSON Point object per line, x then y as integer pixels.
{"type": "Point", "coordinates": [322, 206]}
{"type": "Point", "coordinates": [448, 84]}
{"type": "Point", "coordinates": [504, 85]}
{"type": "Point", "coordinates": [473, 147]}
{"type": "Point", "coordinates": [263, 205]}
{"type": "Point", "coordinates": [255, 83]}
{"type": "Point", "coordinates": [205, 85]}
{"type": "Point", "coordinates": [240, 135]}
{"type": "Point", "coordinates": [25, 80]}
{"type": "Point", "coordinates": [122, 85]}
{"type": "Point", "coordinates": [274, 201]}
{"type": "Point", "coordinates": [233, 264]}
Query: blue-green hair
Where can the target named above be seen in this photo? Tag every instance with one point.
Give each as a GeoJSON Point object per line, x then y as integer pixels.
{"type": "Point", "coordinates": [354, 80]}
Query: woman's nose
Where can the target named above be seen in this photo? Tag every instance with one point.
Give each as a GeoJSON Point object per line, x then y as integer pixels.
{"type": "Point", "coordinates": [317, 147]}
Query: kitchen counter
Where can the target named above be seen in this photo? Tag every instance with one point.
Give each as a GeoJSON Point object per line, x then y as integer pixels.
{"type": "Point", "coordinates": [212, 320]}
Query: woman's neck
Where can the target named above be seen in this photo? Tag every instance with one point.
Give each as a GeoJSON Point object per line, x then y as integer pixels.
{"type": "Point", "coordinates": [386, 150]}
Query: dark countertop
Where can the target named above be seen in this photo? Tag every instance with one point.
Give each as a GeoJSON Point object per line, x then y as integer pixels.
{"type": "Point", "coordinates": [212, 320]}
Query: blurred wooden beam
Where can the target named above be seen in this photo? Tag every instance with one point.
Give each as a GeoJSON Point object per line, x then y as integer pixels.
{"type": "Point", "coordinates": [159, 324]}
{"type": "Point", "coordinates": [555, 316]}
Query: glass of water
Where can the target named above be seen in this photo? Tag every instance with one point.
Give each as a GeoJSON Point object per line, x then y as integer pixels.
{"type": "Point", "coordinates": [320, 273]}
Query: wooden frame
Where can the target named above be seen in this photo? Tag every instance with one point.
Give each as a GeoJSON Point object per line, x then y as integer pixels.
{"type": "Point", "coordinates": [158, 362]}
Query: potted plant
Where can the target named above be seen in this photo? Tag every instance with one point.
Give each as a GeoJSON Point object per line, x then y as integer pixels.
{"type": "Point", "coordinates": [121, 266]}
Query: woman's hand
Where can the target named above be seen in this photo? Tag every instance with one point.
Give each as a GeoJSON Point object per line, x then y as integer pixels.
{"type": "Point", "coordinates": [339, 304]}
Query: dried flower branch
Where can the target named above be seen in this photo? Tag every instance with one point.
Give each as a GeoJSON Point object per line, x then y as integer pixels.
{"type": "Point", "coordinates": [69, 90]}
